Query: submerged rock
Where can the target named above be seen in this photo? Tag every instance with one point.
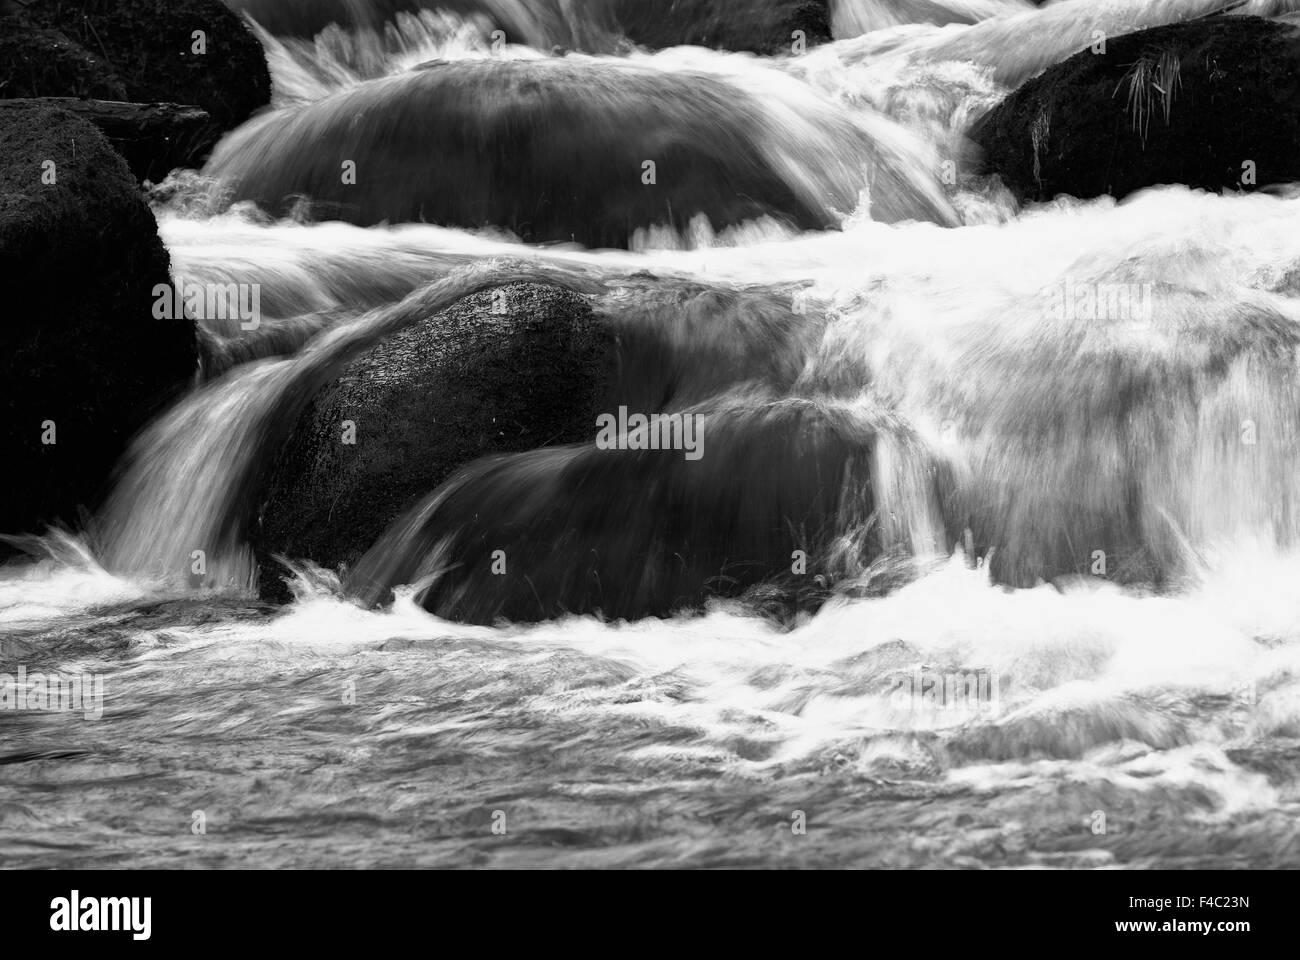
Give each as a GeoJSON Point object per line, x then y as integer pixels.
{"type": "Point", "coordinates": [763, 492]}
{"type": "Point", "coordinates": [509, 369]}
{"type": "Point", "coordinates": [1209, 103]}
{"type": "Point", "coordinates": [564, 150]}
{"type": "Point", "coordinates": [83, 362]}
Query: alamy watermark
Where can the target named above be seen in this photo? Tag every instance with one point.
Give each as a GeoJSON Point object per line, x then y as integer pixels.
{"type": "Point", "coordinates": [53, 692]}
{"type": "Point", "coordinates": [1099, 301]}
{"type": "Point", "coordinates": [75, 913]}
{"type": "Point", "coordinates": [656, 431]}
{"type": "Point", "coordinates": [210, 301]}
{"type": "Point", "coordinates": [978, 691]}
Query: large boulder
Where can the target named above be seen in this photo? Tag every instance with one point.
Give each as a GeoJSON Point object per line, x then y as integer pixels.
{"type": "Point", "coordinates": [494, 403]}
{"type": "Point", "coordinates": [83, 361]}
{"type": "Point", "coordinates": [589, 151]}
{"type": "Point", "coordinates": [175, 51]}
{"type": "Point", "coordinates": [740, 486]}
{"type": "Point", "coordinates": [1210, 103]}
{"type": "Point", "coordinates": [508, 369]}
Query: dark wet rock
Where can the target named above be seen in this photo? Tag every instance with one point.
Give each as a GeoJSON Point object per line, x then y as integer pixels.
{"type": "Point", "coordinates": [150, 47]}
{"type": "Point", "coordinates": [37, 62]}
{"type": "Point", "coordinates": [509, 369]}
{"type": "Point", "coordinates": [79, 346]}
{"type": "Point", "coordinates": [1209, 103]}
{"type": "Point", "coordinates": [630, 533]}
{"type": "Point", "coordinates": [623, 532]}
{"type": "Point", "coordinates": [153, 138]}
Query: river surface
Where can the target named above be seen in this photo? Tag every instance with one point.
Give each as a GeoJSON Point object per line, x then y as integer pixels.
{"type": "Point", "coordinates": [1140, 709]}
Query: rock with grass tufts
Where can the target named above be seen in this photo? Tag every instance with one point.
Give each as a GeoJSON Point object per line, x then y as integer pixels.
{"type": "Point", "coordinates": [1210, 104]}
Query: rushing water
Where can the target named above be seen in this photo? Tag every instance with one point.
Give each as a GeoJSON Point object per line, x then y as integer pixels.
{"type": "Point", "coordinates": [1008, 441]}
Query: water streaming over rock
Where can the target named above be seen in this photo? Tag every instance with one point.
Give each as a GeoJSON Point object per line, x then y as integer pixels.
{"type": "Point", "coordinates": [1049, 455]}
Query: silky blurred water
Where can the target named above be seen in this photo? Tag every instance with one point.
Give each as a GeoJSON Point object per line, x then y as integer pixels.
{"type": "Point", "coordinates": [1136, 721]}
{"type": "Point", "coordinates": [325, 735]}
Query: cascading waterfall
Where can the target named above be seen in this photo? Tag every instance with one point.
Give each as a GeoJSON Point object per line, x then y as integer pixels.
{"type": "Point", "coordinates": [1057, 445]}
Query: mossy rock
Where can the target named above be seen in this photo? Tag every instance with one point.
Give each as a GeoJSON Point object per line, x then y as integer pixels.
{"type": "Point", "coordinates": [83, 361]}
{"type": "Point", "coordinates": [37, 62]}
{"type": "Point", "coordinates": [153, 47]}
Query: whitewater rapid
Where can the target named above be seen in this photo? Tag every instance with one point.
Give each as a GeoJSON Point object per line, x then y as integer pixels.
{"type": "Point", "coordinates": [1170, 705]}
